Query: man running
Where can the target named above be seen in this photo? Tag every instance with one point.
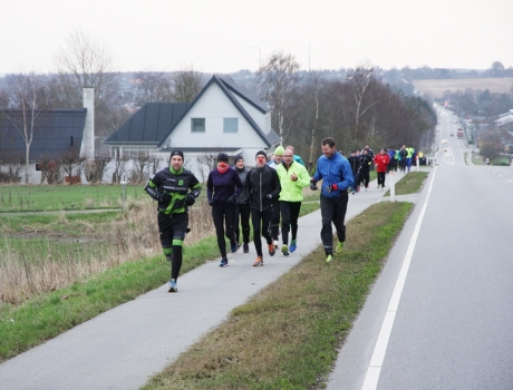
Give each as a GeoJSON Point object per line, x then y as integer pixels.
{"type": "Point", "coordinates": [335, 172]}
{"type": "Point", "coordinates": [175, 188]}
{"type": "Point", "coordinates": [293, 177]}
{"type": "Point", "coordinates": [263, 186]}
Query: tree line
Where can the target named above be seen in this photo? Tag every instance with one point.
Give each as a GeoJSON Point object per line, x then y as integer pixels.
{"type": "Point", "coordinates": [356, 107]}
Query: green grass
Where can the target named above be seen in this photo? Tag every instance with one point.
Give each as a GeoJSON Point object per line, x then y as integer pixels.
{"type": "Point", "coordinates": [287, 336]}
{"type": "Point", "coordinates": [55, 198]}
{"type": "Point", "coordinates": [409, 183]}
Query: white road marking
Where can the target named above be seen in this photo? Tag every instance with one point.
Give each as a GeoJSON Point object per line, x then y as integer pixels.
{"type": "Point", "coordinates": [378, 356]}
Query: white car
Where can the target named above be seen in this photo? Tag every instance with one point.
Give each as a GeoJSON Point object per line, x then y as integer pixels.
{"type": "Point", "coordinates": [444, 141]}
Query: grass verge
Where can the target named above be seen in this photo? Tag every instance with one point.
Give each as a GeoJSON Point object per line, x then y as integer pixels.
{"type": "Point", "coordinates": [45, 316]}
{"type": "Point", "coordinates": [287, 336]}
{"type": "Point", "coordinates": [410, 183]}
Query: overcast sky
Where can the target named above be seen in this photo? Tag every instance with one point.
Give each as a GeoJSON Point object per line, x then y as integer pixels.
{"type": "Point", "coordinates": [223, 36]}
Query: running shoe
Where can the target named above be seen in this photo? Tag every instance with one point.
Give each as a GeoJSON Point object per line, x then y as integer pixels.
{"type": "Point", "coordinates": [293, 246]}
{"type": "Point", "coordinates": [172, 286]}
{"type": "Point", "coordinates": [245, 248]}
{"type": "Point", "coordinates": [258, 261]}
{"type": "Point", "coordinates": [275, 244]}
{"type": "Point", "coordinates": [224, 262]}
{"type": "Point", "coordinates": [285, 250]}
{"type": "Point", "coordinates": [329, 258]}
{"type": "Point", "coordinates": [271, 250]}
{"type": "Point", "coordinates": [235, 248]}
{"type": "Point", "coordinates": [340, 246]}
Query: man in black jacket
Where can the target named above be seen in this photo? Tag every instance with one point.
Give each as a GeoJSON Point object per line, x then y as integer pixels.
{"type": "Point", "coordinates": [175, 188]}
{"type": "Point", "coordinates": [263, 186]}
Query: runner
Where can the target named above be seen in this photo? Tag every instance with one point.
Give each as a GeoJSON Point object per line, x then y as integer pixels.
{"type": "Point", "coordinates": [175, 188]}
{"type": "Point", "coordinates": [335, 172]}
{"type": "Point", "coordinates": [293, 177]}
{"type": "Point", "coordinates": [381, 160]}
{"type": "Point", "coordinates": [243, 206]}
{"type": "Point", "coordinates": [263, 186]}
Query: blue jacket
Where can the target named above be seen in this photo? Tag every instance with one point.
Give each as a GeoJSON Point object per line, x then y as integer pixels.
{"type": "Point", "coordinates": [334, 170]}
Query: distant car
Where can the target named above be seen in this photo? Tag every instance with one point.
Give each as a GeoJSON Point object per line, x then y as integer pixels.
{"type": "Point", "coordinates": [444, 141]}
{"type": "Point", "coordinates": [452, 134]}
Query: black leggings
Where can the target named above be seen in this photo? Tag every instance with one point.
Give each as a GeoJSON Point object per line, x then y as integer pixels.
{"type": "Point", "coordinates": [261, 221]}
{"type": "Point", "coordinates": [289, 216]}
{"type": "Point", "coordinates": [381, 178]}
{"type": "Point", "coordinates": [224, 215]}
{"type": "Point", "coordinates": [364, 178]}
{"type": "Point", "coordinates": [242, 220]}
{"type": "Point", "coordinates": [275, 220]}
{"type": "Point", "coordinates": [172, 230]}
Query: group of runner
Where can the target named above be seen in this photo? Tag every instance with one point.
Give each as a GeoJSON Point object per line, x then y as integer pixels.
{"type": "Point", "coordinates": [269, 192]}
{"type": "Point", "coordinates": [363, 161]}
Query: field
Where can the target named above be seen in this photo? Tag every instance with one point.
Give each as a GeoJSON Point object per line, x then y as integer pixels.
{"type": "Point", "coordinates": [436, 88]}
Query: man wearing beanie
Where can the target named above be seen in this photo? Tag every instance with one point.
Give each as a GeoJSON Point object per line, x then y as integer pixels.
{"type": "Point", "coordinates": [263, 186]}
{"type": "Point", "coordinates": [223, 188]}
{"type": "Point", "coordinates": [275, 218]}
{"type": "Point", "coordinates": [243, 205]}
{"type": "Point", "coordinates": [174, 188]}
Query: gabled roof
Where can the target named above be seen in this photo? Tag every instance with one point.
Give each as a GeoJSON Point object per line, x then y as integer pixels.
{"type": "Point", "coordinates": [229, 88]}
{"type": "Point", "coordinates": [56, 132]}
{"type": "Point", "coordinates": [149, 125]}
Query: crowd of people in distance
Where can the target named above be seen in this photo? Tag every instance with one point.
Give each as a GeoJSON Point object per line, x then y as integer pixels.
{"type": "Point", "coordinates": [269, 196]}
{"type": "Point", "coordinates": [364, 160]}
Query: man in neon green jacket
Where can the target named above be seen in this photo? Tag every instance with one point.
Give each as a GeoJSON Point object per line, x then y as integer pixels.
{"type": "Point", "coordinates": [293, 177]}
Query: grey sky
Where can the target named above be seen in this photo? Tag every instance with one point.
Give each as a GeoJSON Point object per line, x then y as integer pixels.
{"type": "Point", "coordinates": [228, 35]}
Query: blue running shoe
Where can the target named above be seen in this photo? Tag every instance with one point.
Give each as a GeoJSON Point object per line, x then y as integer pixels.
{"type": "Point", "coordinates": [293, 246]}
{"type": "Point", "coordinates": [235, 248]}
{"type": "Point", "coordinates": [224, 262]}
{"type": "Point", "coordinates": [172, 286]}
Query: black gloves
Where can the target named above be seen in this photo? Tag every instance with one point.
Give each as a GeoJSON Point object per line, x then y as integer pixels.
{"type": "Point", "coordinates": [313, 184]}
{"type": "Point", "coordinates": [165, 198]}
{"type": "Point", "coordinates": [233, 199]}
{"type": "Point", "coordinates": [210, 202]}
{"type": "Point", "coordinates": [190, 199]}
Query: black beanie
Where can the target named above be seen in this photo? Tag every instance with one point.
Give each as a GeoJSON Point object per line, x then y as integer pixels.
{"type": "Point", "coordinates": [176, 152]}
{"type": "Point", "coordinates": [222, 157]}
{"type": "Point", "coordinates": [261, 153]}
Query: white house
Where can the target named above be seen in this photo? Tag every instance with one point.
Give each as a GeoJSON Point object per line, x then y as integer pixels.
{"type": "Point", "coordinates": [222, 118]}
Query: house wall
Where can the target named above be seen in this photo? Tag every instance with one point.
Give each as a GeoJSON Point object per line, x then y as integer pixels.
{"type": "Point", "coordinates": [262, 120]}
{"type": "Point", "coordinates": [214, 105]}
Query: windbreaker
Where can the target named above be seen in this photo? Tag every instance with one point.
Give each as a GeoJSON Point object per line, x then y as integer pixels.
{"type": "Point", "coordinates": [292, 191]}
{"type": "Point", "coordinates": [334, 170]}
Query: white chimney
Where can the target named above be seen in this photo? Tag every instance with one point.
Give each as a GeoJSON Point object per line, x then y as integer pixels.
{"type": "Point", "coordinates": [87, 147]}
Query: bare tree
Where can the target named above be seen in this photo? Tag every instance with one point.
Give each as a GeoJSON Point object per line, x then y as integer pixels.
{"type": "Point", "coordinates": [70, 161]}
{"type": "Point", "coordinates": [29, 107]}
{"type": "Point", "coordinates": [95, 169]}
{"type": "Point", "coordinates": [187, 84]}
{"type": "Point", "coordinates": [141, 162]}
{"type": "Point", "coordinates": [153, 87]}
{"type": "Point", "coordinates": [280, 79]}
{"type": "Point", "coordinates": [86, 63]}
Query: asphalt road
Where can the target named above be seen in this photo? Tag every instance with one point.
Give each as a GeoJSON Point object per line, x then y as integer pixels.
{"type": "Point", "coordinates": [450, 326]}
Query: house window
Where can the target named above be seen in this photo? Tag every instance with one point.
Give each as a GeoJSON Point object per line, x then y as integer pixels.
{"type": "Point", "coordinates": [231, 125]}
{"type": "Point", "coordinates": [198, 125]}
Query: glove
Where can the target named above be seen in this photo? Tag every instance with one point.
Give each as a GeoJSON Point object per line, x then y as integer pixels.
{"type": "Point", "coordinates": [190, 199]}
{"type": "Point", "coordinates": [165, 198]}
{"type": "Point", "coordinates": [210, 202]}
{"type": "Point", "coordinates": [269, 196]}
{"type": "Point", "coordinates": [331, 188]}
{"type": "Point", "coordinates": [233, 199]}
{"type": "Point", "coordinates": [313, 184]}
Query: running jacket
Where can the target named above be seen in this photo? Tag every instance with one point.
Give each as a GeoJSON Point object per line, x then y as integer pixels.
{"type": "Point", "coordinates": [223, 188]}
{"type": "Point", "coordinates": [334, 170]}
{"type": "Point", "coordinates": [381, 161]}
{"type": "Point", "coordinates": [292, 191]}
{"type": "Point", "coordinates": [261, 182]}
{"type": "Point", "coordinates": [176, 184]}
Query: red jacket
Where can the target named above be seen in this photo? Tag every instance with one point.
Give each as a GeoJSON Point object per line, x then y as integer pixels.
{"type": "Point", "coordinates": [381, 161]}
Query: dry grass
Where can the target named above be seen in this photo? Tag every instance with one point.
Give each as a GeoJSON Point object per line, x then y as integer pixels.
{"type": "Point", "coordinates": [24, 273]}
{"type": "Point", "coordinates": [436, 88]}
